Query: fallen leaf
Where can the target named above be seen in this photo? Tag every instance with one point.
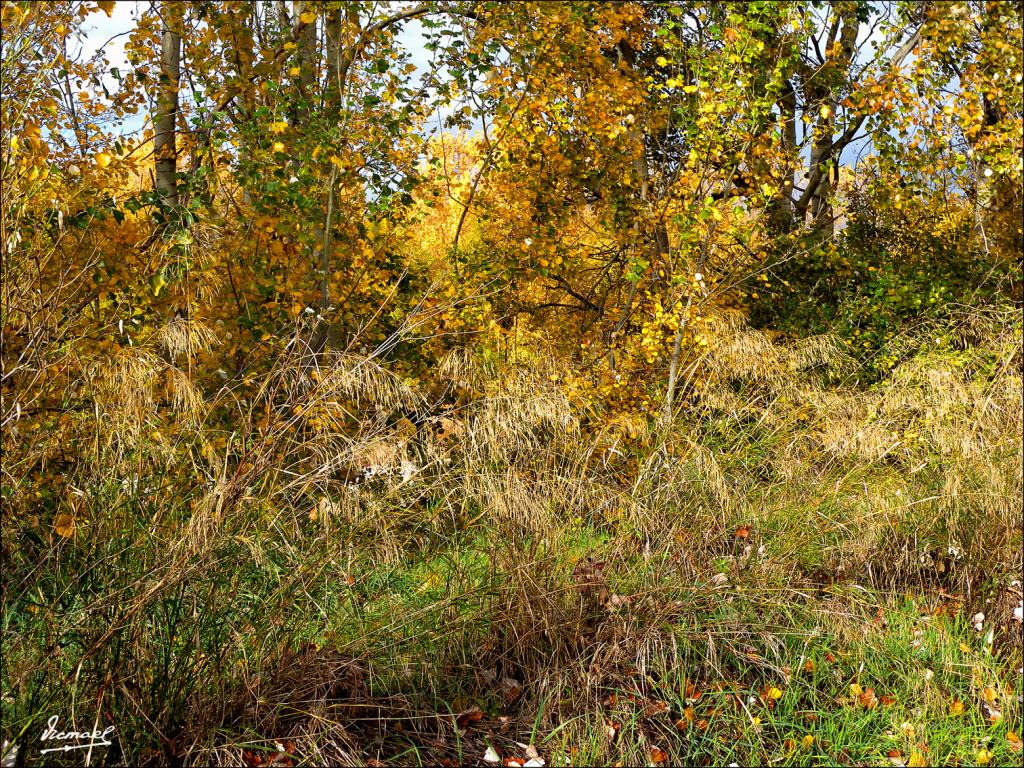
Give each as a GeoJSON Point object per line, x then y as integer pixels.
{"type": "Point", "coordinates": [868, 699]}
{"type": "Point", "coordinates": [983, 757]}
{"type": "Point", "coordinates": [855, 689]}
{"type": "Point", "coordinates": [807, 741]}
{"type": "Point", "coordinates": [773, 694]}
{"type": "Point", "coordinates": [956, 708]}
{"type": "Point", "coordinates": [655, 708]}
{"type": "Point", "coordinates": [908, 730]}
{"type": "Point", "coordinates": [491, 756]}
{"type": "Point", "coordinates": [511, 689]}
{"type": "Point", "coordinates": [471, 715]}
{"type": "Point", "coordinates": [743, 532]}
{"type": "Point", "coordinates": [618, 601]}
{"type": "Point", "coordinates": [887, 700]}
{"type": "Point", "coordinates": [1015, 742]}
{"type": "Point", "coordinates": [992, 714]}
{"type": "Point", "coordinates": [64, 525]}
{"type": "Point", "coordinates": [658, 756]}
{"type": "Point", "coordinates": [534, 762]}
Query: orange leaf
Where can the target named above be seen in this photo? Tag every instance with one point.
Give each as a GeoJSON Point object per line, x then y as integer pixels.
{"type": "Point", "coordinates": [658, 756]}
{"type": "Point", "coordinates": [1015, 742]}
{"type": "Point", "coordinates": [471, 715]}
{"type": "Point", "coordinates": [868, 699]}
{"type": "Point", "coordinates": [64, 525]}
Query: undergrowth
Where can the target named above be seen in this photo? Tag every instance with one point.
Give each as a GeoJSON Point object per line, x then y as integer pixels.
{"type": "Point", "coordinates": [802, 569]}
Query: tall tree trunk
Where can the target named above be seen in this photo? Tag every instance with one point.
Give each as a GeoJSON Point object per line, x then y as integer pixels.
{"type": "Point", "coordinates": [332, 45]}
{"type": "Point", "coordinates": [307, 48]}
{"type": "Point", "coordinates": [782, 212]}
{"type": "Point", "coordinates": [820, 208]}
{"type": "Point", "coordinates": [166, 118]}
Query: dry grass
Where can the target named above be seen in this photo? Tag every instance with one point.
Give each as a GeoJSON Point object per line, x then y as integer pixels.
{"type": "Point", "coordinates": [349, 555]}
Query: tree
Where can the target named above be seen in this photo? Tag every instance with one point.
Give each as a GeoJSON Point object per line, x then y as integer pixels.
{"type": "Point", "coordinates": [165, 118]}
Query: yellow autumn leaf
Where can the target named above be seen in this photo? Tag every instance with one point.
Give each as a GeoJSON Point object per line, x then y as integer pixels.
{"type": "Point", "coordinates": [103, 159]}
{"type": "Point", "coordinates": [774, 693]}
{"type": "Point", "coordinates": [956, 708]}
{"type": "Point", "coordinates": [983, 757]}
{"type": "Point", "coordinates": [278, 126]}
{"type": "Point", "coordinates": [308, 17]}
{"type": "Point", "coordinates": [294, 71]}
{"type": "Point", "coordinates": [64, 525]}
{"type": "Point", "coordinates": [278, 146]}
{"type": "Point", "coordinates": [689, 89]}
{"type": "Point", "coordinates": [661, 61]}
{"type": "Point", "coordinates": [433, 580]}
